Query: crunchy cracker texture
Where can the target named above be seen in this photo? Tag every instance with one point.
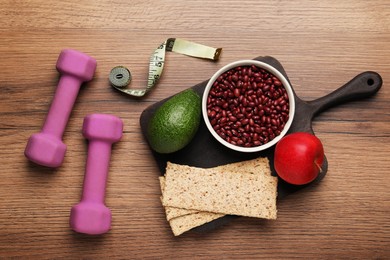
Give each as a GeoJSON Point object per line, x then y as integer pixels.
{"type": "Point", "coordinates": [182, 220]}
{"type": "Point", "coordinates": [256, 165]}
{"type": "Point", "coordinates": [194, 196]}
{"type": "Point", "coordinates": [173, 212]}
{"type": "Point", "coordinates": [182, 224]}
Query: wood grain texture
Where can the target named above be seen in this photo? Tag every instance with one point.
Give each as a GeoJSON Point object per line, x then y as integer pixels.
{"type": "Point", "coordinates": [321, 44]}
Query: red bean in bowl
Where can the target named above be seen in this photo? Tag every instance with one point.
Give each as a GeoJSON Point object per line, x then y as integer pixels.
{"type": "Point", "coordinates": [248, 105]}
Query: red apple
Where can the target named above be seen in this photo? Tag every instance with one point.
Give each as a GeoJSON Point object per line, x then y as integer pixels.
{"type": "Point", "coordinates": [298, 158]}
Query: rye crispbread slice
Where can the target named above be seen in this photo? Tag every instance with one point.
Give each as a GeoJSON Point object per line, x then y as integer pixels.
{"type": "Point", "coordinates": [251, 193]}
{"type": "Point", "coordinates": [173, 212]}
{"type": "Point", "coordinates": [259, 165]}
{"type": "Point", "coordinates": [179, 225]}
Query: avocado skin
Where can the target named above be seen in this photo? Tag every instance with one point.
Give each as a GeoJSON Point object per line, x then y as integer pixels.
{"type": "Point", "coordinates": [175, 123]}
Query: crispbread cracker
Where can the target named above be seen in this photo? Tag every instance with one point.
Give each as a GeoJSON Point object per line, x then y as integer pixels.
{"type": "Point", "coordinates": [182, 220]}
{"type": "Point", "coordinates": [251, 194]}
{"type": "Point", "coordinates": [255, 166]}
{"type": "Point", "coordinates": [172, 212]}
{"type": "Point", "coordinates": [258, 165]}
{"type": "Point", "coordinates": [182, 224]}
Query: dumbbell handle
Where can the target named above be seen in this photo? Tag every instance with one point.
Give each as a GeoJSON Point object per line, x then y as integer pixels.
{"type": "Point", "coordinates": [96, 171]}
{"type": "Point", "coordinates": [61, 106]}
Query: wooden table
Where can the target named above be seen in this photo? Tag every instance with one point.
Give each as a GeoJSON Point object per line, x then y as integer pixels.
{"type": "Point", "coordinates": [321, 44]}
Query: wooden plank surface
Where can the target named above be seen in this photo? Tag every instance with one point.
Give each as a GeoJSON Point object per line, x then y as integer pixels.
{"type": "Point", "coordinates": [321, 44]}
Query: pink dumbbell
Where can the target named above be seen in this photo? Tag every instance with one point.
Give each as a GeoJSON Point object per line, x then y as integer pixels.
{"type": "Point", "coordinates": [46, 148]}
{"type": "Point", "coordinates": [91, 216]}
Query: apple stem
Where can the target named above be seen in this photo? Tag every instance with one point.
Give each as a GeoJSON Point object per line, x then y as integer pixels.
{"type": "Point", "coordinates": [319, 167]}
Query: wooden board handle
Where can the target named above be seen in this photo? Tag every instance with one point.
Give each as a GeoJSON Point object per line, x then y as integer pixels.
{"type": "Point", "coordinates": [363, 85]}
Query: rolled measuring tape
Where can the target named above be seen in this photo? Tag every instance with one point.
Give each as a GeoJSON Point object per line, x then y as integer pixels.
{"type": "Point", "coordinates": [120, 76]}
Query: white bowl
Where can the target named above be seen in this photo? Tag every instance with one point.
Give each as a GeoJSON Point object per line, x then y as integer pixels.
{"type": "Point", "coordinates": [268, 68]}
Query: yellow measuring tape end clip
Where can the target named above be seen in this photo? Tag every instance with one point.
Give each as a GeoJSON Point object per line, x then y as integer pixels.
{"type": "Point", "coordinates": [193, 49]}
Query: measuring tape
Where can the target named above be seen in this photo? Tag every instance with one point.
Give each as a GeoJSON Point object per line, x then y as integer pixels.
{"type": "Point", "coordinates": [120, 76]}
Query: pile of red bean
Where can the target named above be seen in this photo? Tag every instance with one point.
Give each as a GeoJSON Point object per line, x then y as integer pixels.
{"type": "Point", "coordinates": [248, 106]}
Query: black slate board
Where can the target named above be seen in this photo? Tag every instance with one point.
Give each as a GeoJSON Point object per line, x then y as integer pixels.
{"type": "Point", "coordinates": [204, 151]}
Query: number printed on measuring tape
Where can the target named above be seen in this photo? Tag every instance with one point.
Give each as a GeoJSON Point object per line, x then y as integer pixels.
{"type": "Point", "coordinates": [120, 76]}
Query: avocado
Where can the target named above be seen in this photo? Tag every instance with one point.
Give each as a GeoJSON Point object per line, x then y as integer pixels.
{"type": "Point", "coordinates": [175, 122]}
